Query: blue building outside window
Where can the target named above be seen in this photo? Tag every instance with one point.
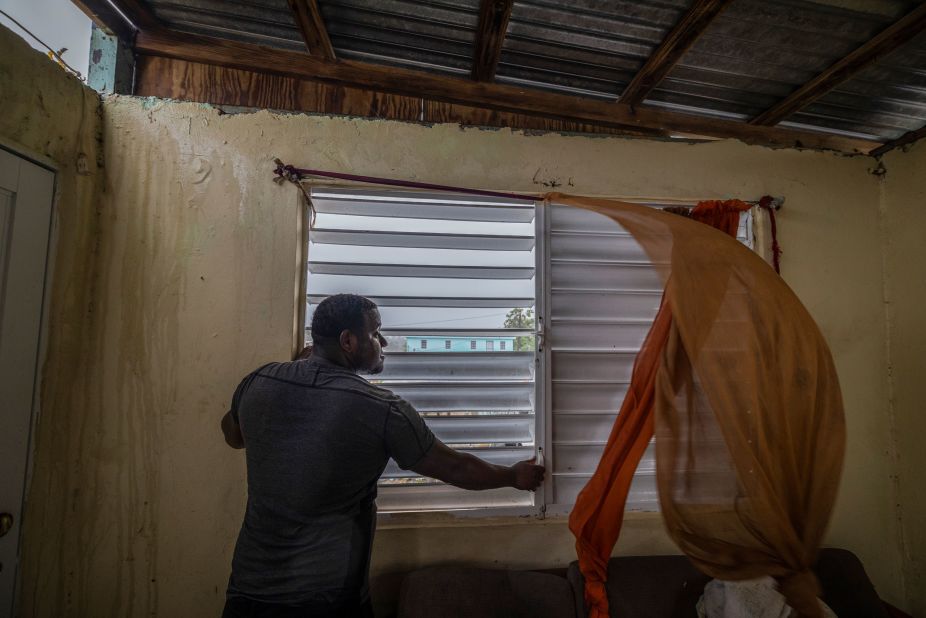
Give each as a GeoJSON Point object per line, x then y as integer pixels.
{"type": "Point", "coordinates": [459, 344]}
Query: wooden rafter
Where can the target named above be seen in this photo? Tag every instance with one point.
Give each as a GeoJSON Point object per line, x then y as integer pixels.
{"type": "Point", "coordinates": [312, 27]}
{"type": "Point", "coordinates": [140, 14]}
{"type": "Point", "coordinates": [408, 82]}
{"type": "Point", "coordinates": [106, 15]}
{"type": "Point", "coordinates": [881, 45]}
{"type": "Point", "coordinates": [905, 139]}
{"type": "Point", "coordinates": [490, 35]}
{"type": "Point", "coordinates": [679, 40]}
{"type": "Point", "coordinates": [107, 19]}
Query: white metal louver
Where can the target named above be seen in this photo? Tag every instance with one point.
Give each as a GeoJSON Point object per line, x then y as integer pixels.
{"type": "Point", "coordinates": [603, 293]}
{"type": "Point", "coordinates": [446, 271]}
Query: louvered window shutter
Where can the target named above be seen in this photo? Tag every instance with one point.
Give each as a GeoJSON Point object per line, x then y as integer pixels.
{"type": "Point", "coordinates": [447, 272]}
{"type": "Point", "coordinates": [459, 281]}
{"type": "Point", "coordinates": [604, 293]}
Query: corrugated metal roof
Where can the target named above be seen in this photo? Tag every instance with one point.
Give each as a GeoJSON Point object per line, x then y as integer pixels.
{"type": "Point", "coordinates": [888, 98]}
{"type": "Point", "coordinates": [756, 52]}
{"type": "Point", "coordinates": [752, 55]}
{"type": "Point", "coordinates": [587, 47]}
{"type": "Point", "coordinates": [436, 36]}
{"type": "Point", "coordinates": [262, 22]}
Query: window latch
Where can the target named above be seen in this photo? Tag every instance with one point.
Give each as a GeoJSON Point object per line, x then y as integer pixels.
{"type": "Point", "coordinates": [539, 332]}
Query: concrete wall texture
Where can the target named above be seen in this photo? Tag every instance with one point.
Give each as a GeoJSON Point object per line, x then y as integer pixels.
{"type": "Point", "coordinates": [178, 271]}
{"type": "Point", "coordinates": [50, 117]}
{"type": "Point", "coordinates": [904, 222]}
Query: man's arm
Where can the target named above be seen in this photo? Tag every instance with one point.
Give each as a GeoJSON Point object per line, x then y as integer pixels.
{"type": "Point", "coordinates": [468, 472]}
{"type": "Point", "coordinates": [232, 431]}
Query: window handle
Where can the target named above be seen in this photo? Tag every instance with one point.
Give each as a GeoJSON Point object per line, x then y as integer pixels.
{"type": "Point", "coordinates": [540, 334]}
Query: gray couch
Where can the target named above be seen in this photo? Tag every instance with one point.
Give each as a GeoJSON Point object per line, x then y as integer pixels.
{"type": "Point", "coordinates": [638, 587]}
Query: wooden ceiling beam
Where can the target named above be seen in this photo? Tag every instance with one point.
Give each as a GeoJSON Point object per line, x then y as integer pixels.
{"type": "Point", "coordinates": [408, 82]}
{"type": "Point", "coordinates": [905, 139]}
{"type": "Point", "coordinates": [679, 40]}
{"type": "Point", "coordinates": [107, 19]}
{"type": "Point", "coordinates": [490, 36]}
{"type": "Point", "coordinates": [877, 48]}
{"type": "Point", "coordinates": [139, 13]}
{"type": "Point", "coordinates": [312, 27]}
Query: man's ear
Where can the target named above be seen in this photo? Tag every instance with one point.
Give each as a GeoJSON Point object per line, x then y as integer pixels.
{"type": "Point", "coordinates": [347, 340]}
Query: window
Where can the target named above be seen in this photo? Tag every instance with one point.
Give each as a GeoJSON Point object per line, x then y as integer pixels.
{"type": "Point", "coordinates": [596, 267]}
{"type": "Point", "coordinates": [441, 268]}
{"type": "Point", "coordinates": [462, 268]}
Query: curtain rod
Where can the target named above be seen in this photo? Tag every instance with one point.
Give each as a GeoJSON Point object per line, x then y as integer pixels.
{"type": "Point", "coordinates": [296, 175]}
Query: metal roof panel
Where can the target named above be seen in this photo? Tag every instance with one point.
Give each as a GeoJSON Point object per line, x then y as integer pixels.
{"type": "Point", "coordinates": [754, 53]}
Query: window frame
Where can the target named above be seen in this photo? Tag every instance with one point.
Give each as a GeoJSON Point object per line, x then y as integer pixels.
{"type": "Point", "coordinates": [543, 412]}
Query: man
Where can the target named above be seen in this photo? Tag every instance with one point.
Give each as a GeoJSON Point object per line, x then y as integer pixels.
{"type": "Point", "coordinates": [317, 438]}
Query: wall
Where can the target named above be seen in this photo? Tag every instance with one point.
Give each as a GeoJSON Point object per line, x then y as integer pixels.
{"type": "Point", "coordinates": [50, 117]}
{"type": "Point", "coordinates": [904, 208]}
{"type": "Point", "coordinates": [197, 272]}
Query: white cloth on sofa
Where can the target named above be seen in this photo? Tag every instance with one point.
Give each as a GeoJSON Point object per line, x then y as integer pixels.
{"type": "Point", "coordinates": [751, 598]}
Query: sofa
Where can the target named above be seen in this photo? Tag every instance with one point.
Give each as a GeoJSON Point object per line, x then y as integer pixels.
{"type": "Point", "coordinates": [638, 587]}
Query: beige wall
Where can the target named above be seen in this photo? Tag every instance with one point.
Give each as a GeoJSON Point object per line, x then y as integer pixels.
{"type": "Point", "coordinates": [195, 286]}
{"type": "Point", "coordinates": [51, 117]}
{"type": "Point", "coordinates": [904, 207]}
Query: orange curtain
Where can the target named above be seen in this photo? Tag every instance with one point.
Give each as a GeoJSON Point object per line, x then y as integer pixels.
{"type": "Point", "coordinates": [742, 393]}
{"type": "Point", "coordinates": [598, 514]}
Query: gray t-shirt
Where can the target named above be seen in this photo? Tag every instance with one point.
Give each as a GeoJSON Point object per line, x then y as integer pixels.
{"type": "Point", "coordinates": [317, 438]}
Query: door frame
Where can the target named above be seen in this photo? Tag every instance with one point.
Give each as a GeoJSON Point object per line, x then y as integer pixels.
{"type": "Point", "coordinates": [44, 162]}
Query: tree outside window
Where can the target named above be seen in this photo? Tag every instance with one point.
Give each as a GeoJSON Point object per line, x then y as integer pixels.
{"type": "Point", "coordinates": [522, 319]}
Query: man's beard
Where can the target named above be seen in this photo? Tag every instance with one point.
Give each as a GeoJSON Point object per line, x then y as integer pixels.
{"type": "Point", "coordinates": [375, 367]}
{"type": "Point", "coordinates": [378, 368]}
{"type": "Point", "coordinates": [378, 365]}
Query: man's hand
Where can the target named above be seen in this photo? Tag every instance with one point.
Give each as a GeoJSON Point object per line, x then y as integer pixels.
{"type": "Point", "coordinates": [527, 474]}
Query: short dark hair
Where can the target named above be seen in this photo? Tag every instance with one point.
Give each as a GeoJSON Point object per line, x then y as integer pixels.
{"type": "Point", "coordinates": [338, 313]}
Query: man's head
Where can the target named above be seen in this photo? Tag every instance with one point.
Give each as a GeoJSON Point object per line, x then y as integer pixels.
{"type": "Point", "coordinates": [345, 328]}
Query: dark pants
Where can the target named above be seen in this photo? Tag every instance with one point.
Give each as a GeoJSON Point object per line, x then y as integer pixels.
{"type": "Point", "coordinates": [236, 607]}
